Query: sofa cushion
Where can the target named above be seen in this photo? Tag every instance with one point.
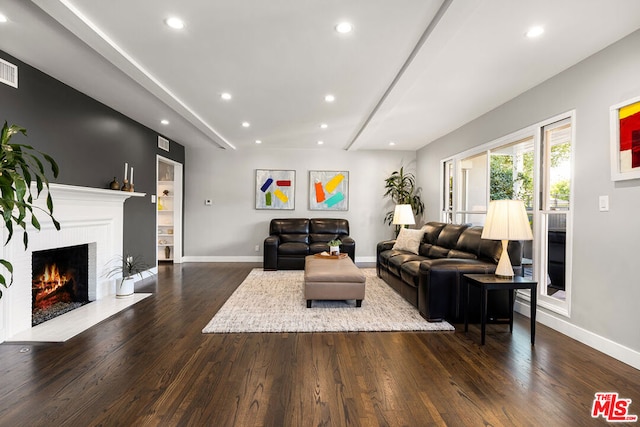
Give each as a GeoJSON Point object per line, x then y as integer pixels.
{"type": "Point", "coordinates": [316, 248]}
{"type": "Point", "coordinates": [450, 234]}
{"type": "Point", "coordinates": [409, 272]}
{"type": "Point", "coordinates": [289, 226]}
{"type": "Point", "coordinates": [293, 248]}
{"type": "Point", "coordinates": [385, 256]}
{"type": "Point", "coordinates": [409, 240]}
{"type": "Point", "coordinates": [329, 226]}
{"type": "Point", "coordinates": [396, 262]}
{"type": "Point", "coordinates": [294, 238]}
{"type": "Point", "coordinates": [437, 252]}
{"type": "Point", "coordinates": [432, 231]}
{"type": "Point", "coordinates": [454, 253]}
{"type": "Point", "coordinates": [469, 240]}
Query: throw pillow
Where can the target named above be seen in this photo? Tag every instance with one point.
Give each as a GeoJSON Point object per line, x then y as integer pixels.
{"type": "Point", "coordinates": [409, 240]}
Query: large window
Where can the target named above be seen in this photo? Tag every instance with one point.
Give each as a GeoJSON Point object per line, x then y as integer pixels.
{"type": "Point", "coordinates": [532, 165]}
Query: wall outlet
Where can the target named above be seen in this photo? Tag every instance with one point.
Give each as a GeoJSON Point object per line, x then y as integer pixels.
{"type": "Point", "coordinates": [257, 248]}
{"type": "Point", "coordinates": [208, 202]}
{"type": "Point", "coordinates": [153, 198]}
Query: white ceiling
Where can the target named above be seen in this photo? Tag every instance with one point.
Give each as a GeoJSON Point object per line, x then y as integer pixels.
{"type": "Point", "coordinates": [410, 72]}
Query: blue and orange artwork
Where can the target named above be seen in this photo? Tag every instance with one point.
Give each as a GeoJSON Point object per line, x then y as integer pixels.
{"type": "Point", "coordinates": [629, 117]}
{"type": "Point", "coordinates": [274, 189]}
{"type": "Point", "coordinates": [328, 190]}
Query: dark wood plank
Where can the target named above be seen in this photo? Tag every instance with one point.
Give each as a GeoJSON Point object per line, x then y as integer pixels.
{"type": "Point", "coordinates": [151, 365]}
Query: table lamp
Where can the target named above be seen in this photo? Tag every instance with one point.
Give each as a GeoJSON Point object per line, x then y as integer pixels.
{"type": "Point", "coordinates": [506, 220]}
{"type": "Point", "coordinates": [403, 215]}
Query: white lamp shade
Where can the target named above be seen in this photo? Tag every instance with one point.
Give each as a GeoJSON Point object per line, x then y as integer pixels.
{"type": "Point", "coordinates": [403, 215]}
{"type": "Point", "coordinates": [507, 220]}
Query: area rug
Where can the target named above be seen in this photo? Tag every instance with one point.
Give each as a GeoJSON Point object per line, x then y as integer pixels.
{"type": "Point", "coordinates": [273, 301]}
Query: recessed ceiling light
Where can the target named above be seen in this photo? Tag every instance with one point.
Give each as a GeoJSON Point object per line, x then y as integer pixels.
{"type": "Point", "coordinates": [225, 95]}
{"type": "Point", "coordinates": [3, 18]}
{"type": "Point", "coordinates": [344, 27]}
{"type": "Point", "coordinates": [246, 124]}
{"type": "Point", "coordinates": [320, 142]}
{"type": "Point", "coordinates": [175, 23]}
{"type": "Point", "coordinates": [164, 121]}
{"type": "Point", "coordinates": [258, 141]}
{"type": "Point", "coordinates": [392, 143]}
{"type": "Point", "coordinates": [329, 98]}
{"type": "Point", "coordinates": [534, 32]}
{"type": "Point", "coordinates": [324, 126]}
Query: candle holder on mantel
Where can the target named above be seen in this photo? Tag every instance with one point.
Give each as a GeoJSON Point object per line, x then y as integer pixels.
{"type": "Point", "coordinates": [114, 185]}
{"type": "Point", "coordinates": [125, 185]}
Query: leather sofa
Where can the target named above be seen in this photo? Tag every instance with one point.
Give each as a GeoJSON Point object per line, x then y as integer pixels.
{"type": "Point", "coordinates": [290, 240]}
{"type": "Point", "coordinates": [431, 279]}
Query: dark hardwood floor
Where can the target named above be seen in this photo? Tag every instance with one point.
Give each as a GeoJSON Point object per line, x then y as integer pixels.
{"type": "Point", "coordinates": [151, 365]}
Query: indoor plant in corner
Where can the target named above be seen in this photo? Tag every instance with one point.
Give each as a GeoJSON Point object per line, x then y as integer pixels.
{"type": "Point", "coordinates": [125, 270]}
{"type": "Point", "coordinates": [401, 187]}
{"type": "Point", "coordinates": [20, 165]}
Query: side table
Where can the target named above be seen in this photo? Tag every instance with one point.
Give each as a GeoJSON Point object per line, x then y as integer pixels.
{"type": "Point", "coordinates": [490, 282]}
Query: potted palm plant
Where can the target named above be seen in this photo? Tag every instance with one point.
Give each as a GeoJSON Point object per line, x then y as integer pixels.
{"type": "Point", "coordinates": [20, 165]}
{"type": "Point", "coordinates": [400, 186]}
{"type": "Point", "coordinates": [125, 269]}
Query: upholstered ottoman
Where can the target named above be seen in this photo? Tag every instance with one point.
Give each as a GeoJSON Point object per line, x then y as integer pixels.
{"type": "Point", "coordinates": [332, 279]}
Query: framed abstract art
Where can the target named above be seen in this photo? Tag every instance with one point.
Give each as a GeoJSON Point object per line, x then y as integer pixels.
{"type": "Point", "coordinates": [329, 190]}
{"type": "Point", "coordinates": [275, 189]}
{"type": "Point", "coordinates": [625, 140]}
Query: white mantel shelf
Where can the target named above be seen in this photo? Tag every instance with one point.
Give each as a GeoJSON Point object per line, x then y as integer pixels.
{"type": "Point", "coordinates": [74, 191]}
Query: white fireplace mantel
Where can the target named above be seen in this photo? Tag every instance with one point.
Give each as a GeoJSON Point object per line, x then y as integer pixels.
{"type": "Point", "coordinates": [87, 216]}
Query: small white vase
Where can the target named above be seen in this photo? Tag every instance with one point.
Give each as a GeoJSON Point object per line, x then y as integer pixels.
{"type": "Point", "coordinates": [125, 287]}
{"type": "Point", "coordinates": [334, 250]}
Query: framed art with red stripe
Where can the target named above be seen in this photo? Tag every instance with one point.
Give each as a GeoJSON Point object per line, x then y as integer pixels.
{"type": "Point", "coordinates": [275, 189]}
{"type": "Point", "coordinates": [625, 140]}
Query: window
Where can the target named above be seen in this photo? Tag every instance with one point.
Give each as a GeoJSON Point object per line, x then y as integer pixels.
{"type": "Point", "coordinates": [533, 165]}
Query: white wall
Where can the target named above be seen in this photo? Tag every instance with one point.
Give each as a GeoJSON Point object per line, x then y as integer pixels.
{"type": "Point", "coordinates": [231, 228]}
{"type": "Point", "coordinates": [606, 280]}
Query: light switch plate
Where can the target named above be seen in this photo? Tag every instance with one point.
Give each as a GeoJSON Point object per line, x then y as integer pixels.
{"type": "Point", "coordinates": [603, 203]}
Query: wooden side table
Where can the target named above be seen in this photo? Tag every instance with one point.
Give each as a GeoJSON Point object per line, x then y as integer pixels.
{"type": "Point", "coordinates": [490, 282]}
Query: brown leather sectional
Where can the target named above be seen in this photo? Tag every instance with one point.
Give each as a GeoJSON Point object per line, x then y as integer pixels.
{"type": "Point", "coordinates": [431, 280]}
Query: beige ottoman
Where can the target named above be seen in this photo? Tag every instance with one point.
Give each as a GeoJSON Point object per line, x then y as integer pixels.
{"type": "Point", "coordinates": [332, 279]}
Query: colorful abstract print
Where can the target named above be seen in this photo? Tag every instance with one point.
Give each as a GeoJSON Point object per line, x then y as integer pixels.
{"type": "Point", "coordinates": [329, 190]}
{"type": "Point", "coordinates": [275, 189]}
{"type": "Point", "coordinates": [629, 117]}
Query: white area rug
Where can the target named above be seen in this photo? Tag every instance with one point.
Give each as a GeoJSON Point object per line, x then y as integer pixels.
{"type": "Point", "coordinates": [273, 301]}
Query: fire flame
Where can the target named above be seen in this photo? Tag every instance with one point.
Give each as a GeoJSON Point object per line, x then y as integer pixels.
{"type": "Point", "coordinates": [48, 282]}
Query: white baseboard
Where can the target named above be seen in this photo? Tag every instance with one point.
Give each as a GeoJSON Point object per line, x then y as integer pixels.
{"type": "Point", "coordinates": [617, 351]}
{"type": "Point", "coordinates": [222, 258]}
{"type": "Point", "coordinates": [368, 259]}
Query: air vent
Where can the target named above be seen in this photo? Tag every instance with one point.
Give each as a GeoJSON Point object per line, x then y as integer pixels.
{"type": "Point", "coordinates": [8, 73]}
{"type": "Point", "coordinates": [163, 143]}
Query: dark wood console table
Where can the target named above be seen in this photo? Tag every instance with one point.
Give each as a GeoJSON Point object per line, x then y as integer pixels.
{"type": "Point", "coordinates": [490, 282]}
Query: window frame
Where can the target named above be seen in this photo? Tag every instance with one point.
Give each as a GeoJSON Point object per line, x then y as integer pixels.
{"type": "Point", "coordinates": [534, 131]}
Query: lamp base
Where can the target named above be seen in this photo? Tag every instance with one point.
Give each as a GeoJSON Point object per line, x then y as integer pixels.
{"type": "Point", "coordinates": [504, 269]}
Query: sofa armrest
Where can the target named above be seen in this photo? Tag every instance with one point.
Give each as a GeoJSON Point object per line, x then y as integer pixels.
{"type": "Point", "coordinates": [385, 245]}
{"type": "Point", "coordinates": [270, 255]}
{"type": "Point", "coordinates": [348, 246]}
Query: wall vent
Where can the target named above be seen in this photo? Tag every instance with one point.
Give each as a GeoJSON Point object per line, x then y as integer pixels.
{"type": "Point", "coordinates": [8, 73]}
{"type": "Point", "coordinates": [163, 143]}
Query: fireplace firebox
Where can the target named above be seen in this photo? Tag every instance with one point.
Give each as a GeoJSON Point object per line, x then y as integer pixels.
{"type": "Point", "coordinates": [60, 281]}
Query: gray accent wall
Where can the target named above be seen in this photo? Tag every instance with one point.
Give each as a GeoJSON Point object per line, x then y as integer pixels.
{"type": "Point", "coordinates": [232, 227]}
{"type": "Point", "coordinates": [605, 303]}
{"type": "Point", "coordinates": [90, 142]}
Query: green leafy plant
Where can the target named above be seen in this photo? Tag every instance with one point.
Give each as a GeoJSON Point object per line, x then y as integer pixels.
{"type": "Point", "coordinates": [127, 267]}
{"type": "Point", "coordinates": [400, 186]}
{"type": "Point", "coordinates": [20, 165]}
{"type": "Point", "coordinates": [334, 242]}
